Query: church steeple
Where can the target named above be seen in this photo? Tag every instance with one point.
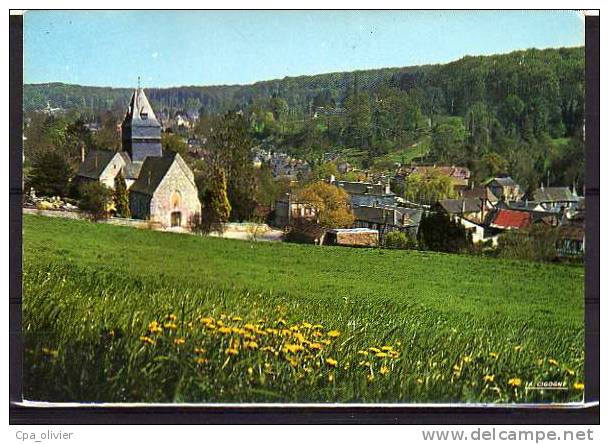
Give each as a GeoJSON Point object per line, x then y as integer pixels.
{"type": "Point", "coordinates": [141, 131]}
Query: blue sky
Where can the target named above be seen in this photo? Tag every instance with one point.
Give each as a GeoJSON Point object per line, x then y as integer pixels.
{"type": "Point", "coordinates": [111, 48]}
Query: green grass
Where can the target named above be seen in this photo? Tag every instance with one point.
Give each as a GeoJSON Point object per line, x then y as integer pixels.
{"type": "Point", "coordinates": [406, 155]}
{"type": "Point", "coordinates": [92, 290]}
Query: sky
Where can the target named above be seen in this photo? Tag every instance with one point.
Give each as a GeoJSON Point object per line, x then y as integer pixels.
{"type": "Point", "coordinates": [175, 48]}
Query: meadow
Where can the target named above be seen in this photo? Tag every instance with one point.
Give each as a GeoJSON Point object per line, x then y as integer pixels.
{"type": "Point", "coordinates": [116, 314]}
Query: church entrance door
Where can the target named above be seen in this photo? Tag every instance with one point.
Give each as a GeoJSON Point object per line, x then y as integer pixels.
{"type": "Point", "coordinates": [176, 219]}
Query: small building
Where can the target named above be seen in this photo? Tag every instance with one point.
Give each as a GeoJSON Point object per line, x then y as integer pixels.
{"type": "Point", "coordinates": [352, 237]}
{"type": "Point", "coordinates": [555, 198]}
{"type": "Point", "coordinates": [366, 193]}
{"type": "Point", "coordinates": [467, 208]}
{"type": "Point", "coordinates": [571, 240]}
{"type": "Point", "coordinates": [386, 219]}
{"type": "Point", "coordinates": [505, 188]}
{"type": "Point", "coordinates": [289, 211]}
{"type": "Point", "coordinates": [510, 219]}
{"type": "Point", "coordinates": [459, 175]}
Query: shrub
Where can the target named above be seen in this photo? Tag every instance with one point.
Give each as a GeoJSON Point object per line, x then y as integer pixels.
{"type": "Point", "coordinates": [95, 199]}
{"type": "Point", "coordinates": [399, 240]}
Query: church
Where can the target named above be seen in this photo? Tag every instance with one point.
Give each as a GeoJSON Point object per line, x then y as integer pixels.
{"type": "Point", "coordinates": [161, 186]}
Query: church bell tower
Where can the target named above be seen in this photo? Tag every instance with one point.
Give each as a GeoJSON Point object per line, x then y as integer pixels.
{"type": "Point", "coordinates": [141, 131]}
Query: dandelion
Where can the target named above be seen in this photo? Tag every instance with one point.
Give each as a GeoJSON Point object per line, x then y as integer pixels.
{"type": "Point", "coordinates": [540, 362]}
{"type": "Point", "coordinates": [237, 318]}
{"type": "Point", "coordinates": [224, 330]}
{"type": "Point", "coordinates": [154, 327]}
{"type": "Point", "coordinates": [518, 348]}
{"type": "Point", "coordinates": [292, 348]}
{"type": "Point", "coordinates": [250, 371]}
{"type": "Point", "coordinates": [200, 360]}
{"type": "Point", "coordinates": [374, 349]}
{"type": "Point", "coordinates": [578, 386]}
{"type": "Point", "coordinates": [307, 325]}
{"type": "Point", "coordinates": [179, 341]}
{"type": "Point", "coordinates": [570, 372]}
{"type": "Point", "coordinates": [170, 326]}
{"type": "Point", "coordinates": [494, 355]}
{"type": "Point", "coordinates": [515, 382]}
{"type": "Point", "coordinates": [362, 352]}
{"type": "Point", "coordinates": [333, 334]}
{"type": "Point", "coordinates": [172, 317]}
{"type": "Point", "coordinates": [384, 370]}
{"type": "Point", "coordinates": [281, 322]}
{"type": "Point", "coordinates": [147, 340]}
{"type": "Point", "coordinates": [315, 346]}
{"type": "Point", "coordinates": [456, 368]}
{"type": "Point", "coordinates": [467, 359]}
{"type": "Point", "coordinates": [419, 380]}
{"type": "Point", "coordinates": [489, 378]}
{"type": "Point", "coordinates": [207, 320]}
{"type": "Point", "coordinates": [252, 345]}
{"type": "Point", "coordinates": [381, 355]}
{"type": "Point", "coordinates": [331, 362]}
{"type": "Point", "coordinates": [199, 350]}
{"type": "Point", "coordinates": [50, 352]}
{"type": "Point", "coordinates": [231, 351]}
{"type": "Point", "coordinates": [293, 361]}
{"type": "Point", "coordinates": [387, 348]}
{"type": "Point", "coordinates": [552, 361]}
{"type": "Point", "coordinates": [370, 377]}
{"type": "Point", "coordinates": [210, 326]}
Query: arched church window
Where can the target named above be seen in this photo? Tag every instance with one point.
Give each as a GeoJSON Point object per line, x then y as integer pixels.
{"type": "Point", "coordinates": [176, 199]}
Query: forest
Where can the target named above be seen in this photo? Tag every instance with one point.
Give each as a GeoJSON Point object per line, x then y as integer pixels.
{"type": "Point", "coordinates": [520, 114]}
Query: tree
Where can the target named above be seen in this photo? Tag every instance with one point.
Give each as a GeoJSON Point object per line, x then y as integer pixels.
{"type": "Point", "coordinates": [428, 188]}
{"type": "Point", "coordinates": [216, 206]}
{"type": "Point", "coordinates": [536, 243]}
{"type": "Point", "coordinates": [121, 196]}
{"type": "Point", "coordinates": [331, 203]}
{"type": "Point", "coordinates": [447, 141]}
{"type": "Point", "coordinates": [231, 145]}
{"type": "Point", "coordinates": [51, 174]}
{"type": "Point", "coordinates": [175, 143]}
{"type": "Point", "coordinates": [438, 232]}
{"type": "Point", "coordinates": [95, 199]}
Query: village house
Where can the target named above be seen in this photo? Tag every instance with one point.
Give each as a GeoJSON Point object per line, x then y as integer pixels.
{"type": "Point", "coordinates": [366, 193]}
{"type": "Point", "coordinates": [386, 219]}
{"type": "Point", "coordinates": [505, 188]}
{"type": "Point", "coordinates": [467, 208]}
{"type": "Point", "coordinates": [161, 186]}
{"type": "Point", "coordinates": [503, 219]}
{"type": "Point", "coordinates": [555, 198]}
{"type": "Point", "coordinates": [289, 210]}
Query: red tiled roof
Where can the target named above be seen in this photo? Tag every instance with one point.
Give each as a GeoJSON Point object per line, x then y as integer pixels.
{"type": "Point", "coordinates": [508, 219]}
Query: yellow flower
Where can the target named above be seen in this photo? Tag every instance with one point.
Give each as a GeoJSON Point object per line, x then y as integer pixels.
{"type": "Point", "coordinates": [578, 386]}
{"type": "Point", "coordinates": [224, 330]}
{"type": "Point", "coordinates": [50, 352]}
{"type": "Point", "coordinates": [363, 352]}
{"type": "Point", "coordinates": [250, 371]}
{"type": "Point", "coordinates": [251, 327]}
{"type": "Point", "coordinates": [200, 360]}
{"type": "Point", "coordinates": [419, 380]}
{"type": "Point", "coordinates": [552, 361]}
{"type": "Point", "coordinates": [147, 340]}
{"type": "Point", "coordinates": [384, 370]}
{"type": "Point", "coordinates": [292, 348]}
{"type": "Point", "coordinates": [154, 327]}
{"type": "Point", "coordinates": [293, 361]}
{"type": "Point", "coordinates": [381, 355]}
{"type": "Point", "coordinates": [518, 348]}
{"type": "Point", "coordinates": [252, 345]}
{"type": "Point", "coordinates": [370, 377]}
{"type": "Point", "coordinates": [210, 326]}
{"type": "Point", "coordinates": [207, 320]}
{"type": "Point", "coordinates": [307, 325]}
{"type": "Point", "coordinates": [489, 378]}
{"type": "Point", "coordinates": [318, 326]}
{"type": "Point", "coordinates": [170, 326]}
{"type": "Point", "coordinates": [315, 346]}
{"type": "Point", "coordinates": [387, 347]}
{"type": "Point", "coordinates": [515, 382]}
{"type": "Point", "coordinates": [331, 362]}
{"type": "Point", "coordinates": [199, 350]}
{"type": "Point", "coordinates": [231, 351]}
{"type": "Point", "coordinates": [467, 359]}
{"type": "Point", "coordinates": [494, 355]}
{"type": "Point", "coordinates": [456, 368]}
{"type": "Point", "coordinates": [374, 349]}
{"type": "Point", "coordinates": [172, 317]}
{"type": "Point", "coordinates": [237, 318]}
{"type": "Point", "coordinates": [331, 377]}
{"type": "Point", "coordinates": [179, 341]}
{"type": "Point", "coordinates": [540, 362]}
{"type": "Point", "coordinates": [334, 334]}
{"type": "Point", "coordinates": [281, 322]}
{"type": "Point", "coordinates": [570, 372]}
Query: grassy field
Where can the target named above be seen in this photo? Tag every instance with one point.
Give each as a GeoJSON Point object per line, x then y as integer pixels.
{"type": "Point", "coordinates": [119, 314]}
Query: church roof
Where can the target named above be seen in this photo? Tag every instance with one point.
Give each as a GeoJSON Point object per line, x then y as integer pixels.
{"type": "Point", "coordinates": [152, 172]}
{"type": "Point", "coordinates": [95, 163]}
{"type": "Point", "coordinates": [140, 112]}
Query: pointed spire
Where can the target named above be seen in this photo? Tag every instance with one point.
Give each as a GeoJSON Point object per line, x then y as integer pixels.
{"type": "Point", "coordinates": [139, 86]}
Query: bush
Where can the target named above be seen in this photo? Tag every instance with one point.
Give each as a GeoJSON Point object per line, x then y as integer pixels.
{"type": "Point", "coordinates": [536, 243]}
{"type": "Point", "coordinates": [399, 240]}
{"type": "Point", "coordinates": [95, 199]}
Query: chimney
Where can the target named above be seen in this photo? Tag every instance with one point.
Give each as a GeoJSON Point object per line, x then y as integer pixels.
{"type": "Point", "coordinates": [82, 153]}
